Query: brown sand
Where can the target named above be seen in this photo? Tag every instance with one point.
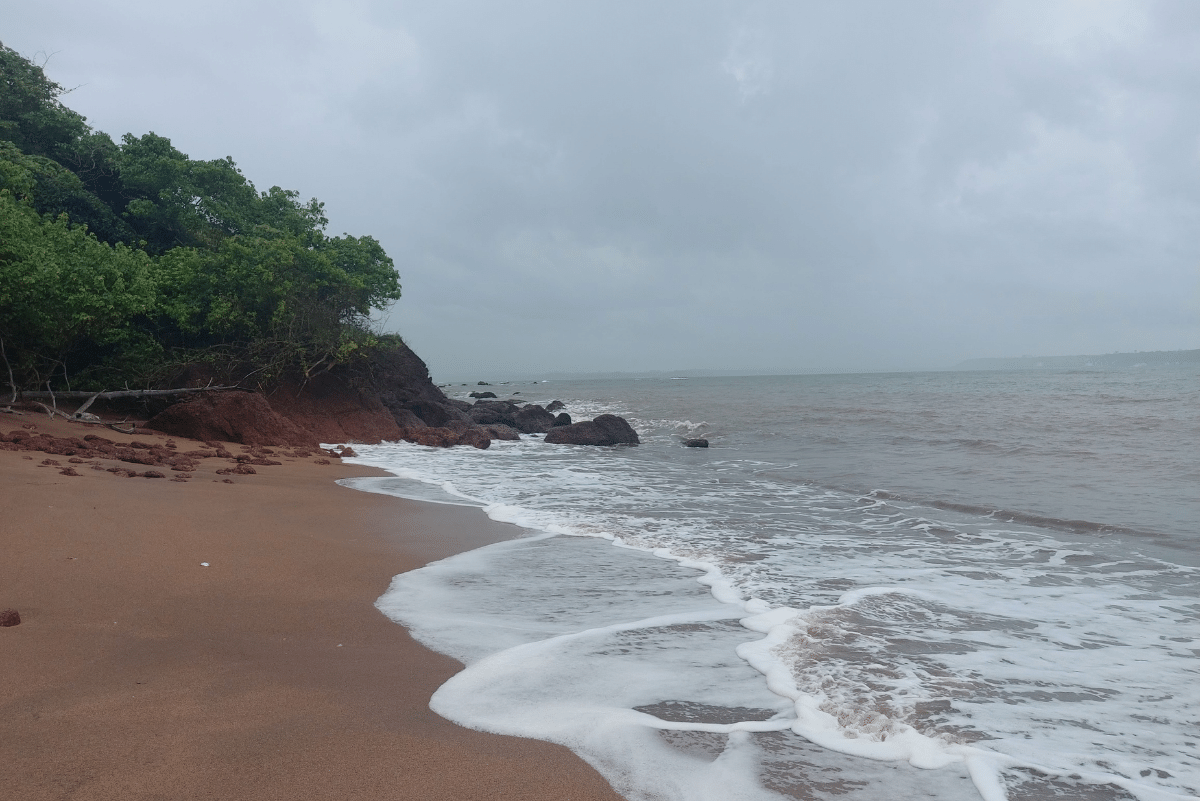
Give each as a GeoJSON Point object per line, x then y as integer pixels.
{"type": "Point", "coordinates": [136, 673]}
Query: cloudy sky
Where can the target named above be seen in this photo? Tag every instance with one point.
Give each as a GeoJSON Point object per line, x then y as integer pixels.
{"type": "Point", "coordinates": [775, 186]}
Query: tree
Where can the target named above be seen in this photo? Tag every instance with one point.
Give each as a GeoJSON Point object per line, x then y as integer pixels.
{"type": "Point", "coordinates": [31, 116]}
{"type": "Point", "coordinates": [66, 298]}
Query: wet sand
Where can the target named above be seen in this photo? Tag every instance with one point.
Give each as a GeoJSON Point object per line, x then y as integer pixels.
{"type": "Point", "coordinates": [138, 673]}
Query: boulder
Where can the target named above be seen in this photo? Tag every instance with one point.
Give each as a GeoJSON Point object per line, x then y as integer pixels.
{"type": "Point", "coordinates": [695, 443]}
{"type": "Point", "coordinates": [501, 431]}
{"type": "Point", "coordinates": [447, 437]}
{"type": "Point", "coordinates": [483, 394]}
{"type": "Point", "coordinates": [562, 419]}
{"type": "Point", "coordinates": [489, 412]}
{"type": "Point", "coordinates": [555, 406]}
{"type": "Point", "coordinates": [607, 429]}
{"type": "Point", "coordinates": [476, 438]}
{"type": "Point", "coordinates": [533, 419]}
{"type": "Point", "coordinates": [407, 418]}
{"type": "Point", "coordinates": [10, 617]}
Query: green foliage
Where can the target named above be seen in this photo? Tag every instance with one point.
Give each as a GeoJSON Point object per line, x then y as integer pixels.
{"type": "Point", "coordinates": [53, 190]}
{"type": "Point", "coordinates": [64, 294]}
{"type": "Point", "coordinates": [31, 116]}
{"type": "Point", "coordinates": [117, 260]}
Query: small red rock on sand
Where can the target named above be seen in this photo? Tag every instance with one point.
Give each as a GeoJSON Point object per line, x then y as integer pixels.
{"type": "Point", "coordinates": [68, 471]}
{"type": "Point", "coordinates": [10, 617]}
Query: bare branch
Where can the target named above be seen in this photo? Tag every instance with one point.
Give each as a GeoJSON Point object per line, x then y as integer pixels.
{"type": "Point", "coordinates": [87, 403]}
{"type": "Point", "coordinates": [52, 412]}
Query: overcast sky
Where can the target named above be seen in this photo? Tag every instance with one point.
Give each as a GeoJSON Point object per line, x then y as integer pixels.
{"type": "Point", "coordinates": [687, 184]}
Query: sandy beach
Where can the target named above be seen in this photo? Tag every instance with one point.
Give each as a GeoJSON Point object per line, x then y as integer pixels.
{"type": "Point", "coordinates": [137, 672]}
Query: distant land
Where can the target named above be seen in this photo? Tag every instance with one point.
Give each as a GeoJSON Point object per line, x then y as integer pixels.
{"type": "Point", "coordinates": [1149, 358]}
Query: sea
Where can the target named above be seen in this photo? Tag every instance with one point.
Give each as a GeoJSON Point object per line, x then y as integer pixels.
{"type": "Point", "coordinates": [941, 585]}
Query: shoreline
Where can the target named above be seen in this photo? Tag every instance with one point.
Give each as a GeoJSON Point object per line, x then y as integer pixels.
{"type": "Point", "coordinates": [138, 673]}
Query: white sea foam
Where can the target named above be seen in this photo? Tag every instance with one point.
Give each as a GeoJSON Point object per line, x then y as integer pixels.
{"type": "Point", "coordinates": [791, 636]}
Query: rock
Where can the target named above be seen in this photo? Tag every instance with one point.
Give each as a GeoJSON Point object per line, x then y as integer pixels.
{"type": "Point", "coordinates": [483, 384]}
{"type": "Point", "coordinates": [562, 419]}
{"type": "Point", "coordinates": [476, 438]}
{"type": "Point", "coordinates": [501, 431]}
{"type": "Point", "coordinates": [695, 443]}
{"type": "Point", "coordinates": [533, 419]}
{"type": "Point", "coordinates": [446, 438]}
{"type": "Point", "coordinates": [555, 406]}
{"type": "Point", "coordinates": [461, 405]}
{"type": "Point", "coordinates": [489, 412]}
{"type": "Point", "coordinates": [607, 429]}
{"type": "Point", "coordinates": [483, 395]}
{"type": "Point", "coordinates": [10, 617]}
{"type": "Point", "coordinates": [434, 414]}
{"type": "Point", "coordinates": [244, 417]}
{"type": "Point", "coordinates": [335, 408]}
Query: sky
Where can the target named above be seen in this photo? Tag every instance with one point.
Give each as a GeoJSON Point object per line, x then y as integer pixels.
{"type": "Point", "coordinates": [755, 186]}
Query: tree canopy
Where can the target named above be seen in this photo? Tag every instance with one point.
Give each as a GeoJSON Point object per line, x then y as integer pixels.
{"type": "Point", "coordinates": [120, 262]}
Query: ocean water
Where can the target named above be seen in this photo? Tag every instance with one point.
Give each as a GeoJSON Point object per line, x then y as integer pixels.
{"type": "Point", "coordinates": [952, 585]}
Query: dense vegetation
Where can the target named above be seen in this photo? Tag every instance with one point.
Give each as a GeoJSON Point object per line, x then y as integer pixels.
{"type": "Point", "coordinates": [120, 263]}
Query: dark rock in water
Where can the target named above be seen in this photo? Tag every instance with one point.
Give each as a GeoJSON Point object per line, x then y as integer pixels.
{"type": "Point", "coordinates": [483, 394]}
{"type": "Point", "coordinates": [555, 406]}
{"type": "Point", "coordinates": [489, 412]}
{"type": "Point", "coordinates": [435, 415]}
{"type": "Point", "coordinates": [10, 617]}
{"type": "Point", "coordinates": [562, 419]}
{"type": "Point", "coordinates": [476, 438]}
{"type": "Point", "coordinates": [695, 443]}
{"type": "Point", "coordinates": [501, 431]}
{"type": "Point", "coordinates": [484, 384]}
{"type": "Point", "coordinates": [607, 429]}
{"type": "Point", "coordinates": [533, 419]}
{"type": "Point", "coordinates": [448, 437]}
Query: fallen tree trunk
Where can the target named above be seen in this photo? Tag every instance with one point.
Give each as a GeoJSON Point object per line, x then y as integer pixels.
{"type": "Point", "coordinates": [124, 393]}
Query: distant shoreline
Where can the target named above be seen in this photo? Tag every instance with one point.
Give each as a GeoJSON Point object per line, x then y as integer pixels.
{"type": "Point", "coordinates": [1102, 361]}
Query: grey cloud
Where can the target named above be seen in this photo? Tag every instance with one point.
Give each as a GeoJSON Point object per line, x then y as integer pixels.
{"type": "Point", "coordinates": [774, 185]}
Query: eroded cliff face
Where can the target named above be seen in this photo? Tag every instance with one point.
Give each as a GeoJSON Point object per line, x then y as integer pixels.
{"type": "Point", "coordinates": [390, 397]}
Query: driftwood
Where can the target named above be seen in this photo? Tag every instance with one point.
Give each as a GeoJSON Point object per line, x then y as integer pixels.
{"type": "Point", "coordinates": [81, 415]}
{"type": "Point", "coordinates": [123, 393]}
